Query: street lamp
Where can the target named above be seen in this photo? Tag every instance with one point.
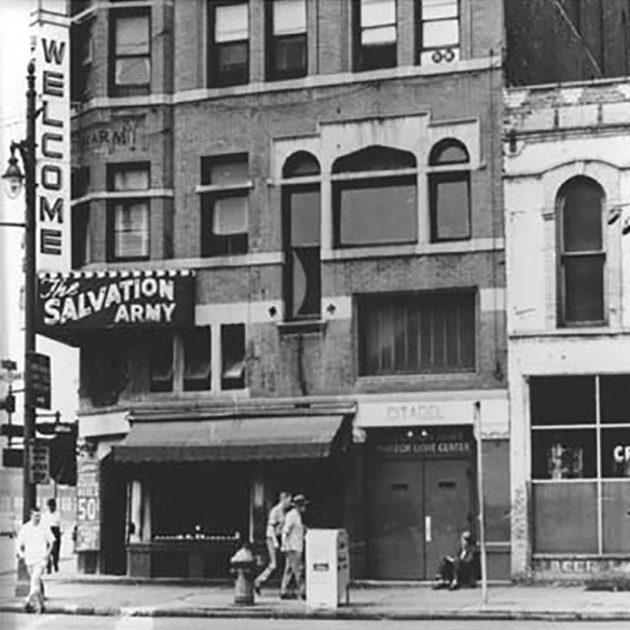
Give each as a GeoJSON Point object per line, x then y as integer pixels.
{"type": "Point", "coordinates": [14, 180]}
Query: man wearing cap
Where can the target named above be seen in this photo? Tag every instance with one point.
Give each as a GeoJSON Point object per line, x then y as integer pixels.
{"type": "Point", "coordinates": [293, 533]}
{"type": "Point", "coordinates": [34, 544]}
{"type": "Point", "coordinates": [273, 535]}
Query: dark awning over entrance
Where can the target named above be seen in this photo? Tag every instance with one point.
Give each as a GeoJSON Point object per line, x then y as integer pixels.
{"type": "Point", "coordinates": [243, 439]}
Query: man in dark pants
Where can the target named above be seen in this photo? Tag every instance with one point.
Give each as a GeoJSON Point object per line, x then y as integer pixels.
{"type": "Point", "coordinates": [462, 569]}
{"type": "Point", "coordinates": [51, 519]}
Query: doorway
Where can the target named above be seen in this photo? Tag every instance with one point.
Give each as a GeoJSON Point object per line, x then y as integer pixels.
{"type": "Point", "coordinates": [417, 509]}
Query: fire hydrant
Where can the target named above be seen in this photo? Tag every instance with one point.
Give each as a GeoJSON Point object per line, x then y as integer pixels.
{"type": "Point", "coordinates": [243, 566]}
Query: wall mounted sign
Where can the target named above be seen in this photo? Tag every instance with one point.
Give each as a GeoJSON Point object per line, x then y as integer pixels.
{"type": "Point", "coordinates": [125, 134]}
{"type": "Point", "coordinates": [91, 301]}
{"type": "Point", "coordinates": [422, 442]}
{"type": "Point", "coordinates": [51, 43]}
{"type": "Point", "coordinates": [88, 504]}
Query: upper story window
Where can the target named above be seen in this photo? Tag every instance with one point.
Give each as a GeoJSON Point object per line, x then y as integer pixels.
{"type": "Point", "coordinates": [438, 31]}
{"type": "Point", "coordinates": [581, 255]}
{"type": "Point", "coordinates": [79, 188]}
{"type": "Point", "coordinates": [449, 191]}
{"type": "Point", "coordinates": [161, 362]}
{"type": "Point", "coordinates": [286, 32]}
{"type": "Point", "coordinates": [197, 359]}
{"type": "Point", "coordinates": [224, 192]}
{"type": "Point", "coordinates": [228, 53]}
{"type": "Point", "coordinates": [128, 213]}
{"type": "Point", "coordinates": [301, 205]}
{"type": "Point", "coordinates": [375, 198]}
{"type": "Point", "coordinates": [417, 334]}
{"type": "Point", "coordinates": [82, 44]}
{"type": "Point", "coordinates": [130, 59]}
{"type": "Point", "coordinates": [374, 34]}
{"type": "Point", "coordinates": [232, 356]}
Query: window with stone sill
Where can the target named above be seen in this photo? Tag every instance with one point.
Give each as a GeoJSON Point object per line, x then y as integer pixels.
{"type": "Point", "coordinates": [224, 191]}
{"type": "Point", "coordinates": [581, 253]}
{"type": "Point", "coordinates": [375, 34]}
{"type": "Point", "coordinates": [438, 31]}
{"type": "Point", "coordinates": [286, 48]}
{"type": "Point", "coordinates": [128, 221]}
{"type": "Point", "coordinates": [130, 52]}
{"type": "Point", "coordinates": [301, 206]}
{"type": "Point", "coordinates": [79, 187]}
{"type": "Point", "coordinates": [375, 198]}
{"type": "Point", "coordinates": [232, 356]}
{"type": "Point", "coordinates": [81, 58]}
{"type": "Point", "coordinates": [449, 191]}
{"type": "Point", "coordinates": [197, 359]}
{"type": "Point", "coordinates": [228, 42]}
{"type": "Point", "coordinates": [161, 362]}
{"type": "Point", "coordinates": [424, 333]}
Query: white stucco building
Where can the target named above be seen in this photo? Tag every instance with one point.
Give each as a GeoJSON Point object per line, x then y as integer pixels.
{"type": "Point", "coordinates": [567, 201]}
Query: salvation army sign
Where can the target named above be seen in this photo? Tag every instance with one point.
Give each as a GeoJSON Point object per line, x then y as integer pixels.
{"type": "Point", "coordinates": [105, 300]}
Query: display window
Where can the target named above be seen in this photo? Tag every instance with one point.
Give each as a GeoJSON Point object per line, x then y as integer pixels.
{"type": "Point", "coordinates": [580, 446]}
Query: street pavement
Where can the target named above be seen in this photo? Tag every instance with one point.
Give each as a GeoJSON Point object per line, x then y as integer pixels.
{"type": "Point", "coordinates": [9, 621]}
{"type": "Point", "coordinates": [69, 592]}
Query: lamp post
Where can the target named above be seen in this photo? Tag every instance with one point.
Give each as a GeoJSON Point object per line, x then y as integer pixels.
{"type": "Point", "coordinates": [15, 180]}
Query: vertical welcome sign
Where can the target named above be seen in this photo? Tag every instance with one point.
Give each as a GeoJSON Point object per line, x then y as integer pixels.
{"type": "Point", "coordinates": [51, 44]}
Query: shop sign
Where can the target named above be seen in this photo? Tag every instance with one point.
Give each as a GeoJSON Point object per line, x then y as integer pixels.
{"type": "Point", "coordinates": [97, 301]}
{"type": "Point", "coordinates": [88, 500]}
{"type": "Point", "coordinates": [621, 454]}
{"type": "Point", "coordinates": [437, 442]}
{"type": "Point", "coordinates": [52, 142]}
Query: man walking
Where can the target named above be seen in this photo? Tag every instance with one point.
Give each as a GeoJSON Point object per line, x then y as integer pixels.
{"type": "Point", "coordinates": [273, 534]}
{"type": "Point", "coordinates": [52, 520]}
{"type": "Point", "coordinates": [34, 544]}
{"type": "Point", "coordinates": [293, 534]}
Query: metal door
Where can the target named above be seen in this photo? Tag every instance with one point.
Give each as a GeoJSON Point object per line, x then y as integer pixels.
{"type": "Point", "coordinates": [447, 508]}
{"type": "Point", "coordinates": [396, 536]}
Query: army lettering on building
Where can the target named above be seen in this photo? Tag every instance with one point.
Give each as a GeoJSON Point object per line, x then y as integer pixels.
{"type": "Point", "coordinates": [113, 300]}
{"type": "Point", "coordinates": [112, 136]}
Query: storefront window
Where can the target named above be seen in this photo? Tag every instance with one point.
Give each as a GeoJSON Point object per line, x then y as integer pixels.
{"type": "Point", "coordinates": [581, 432]}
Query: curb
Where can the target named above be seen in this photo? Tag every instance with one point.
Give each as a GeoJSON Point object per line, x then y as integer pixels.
{"type": "Point", "coordinates": [238, 612]}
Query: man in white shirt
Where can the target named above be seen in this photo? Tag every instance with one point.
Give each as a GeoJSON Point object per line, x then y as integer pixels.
{"type": "Point", "coordinates": [273, 535]}
{"type": "Point", "coordinates": [293, 534]}
{"type": "Point", "coordinates": [34, 544]}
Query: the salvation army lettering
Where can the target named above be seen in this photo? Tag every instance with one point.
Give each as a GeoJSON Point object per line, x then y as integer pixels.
{"type": "Point", "coordinates": [52, 142]}
{"type": "Point", "coordinates": [97, 301]}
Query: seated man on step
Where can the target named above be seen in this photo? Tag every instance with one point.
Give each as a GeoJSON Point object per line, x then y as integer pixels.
{"type": "Point", "coordinates": [462, 569]}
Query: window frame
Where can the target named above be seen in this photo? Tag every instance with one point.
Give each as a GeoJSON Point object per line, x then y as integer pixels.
{"type": "Point", "coordinates": [139, 89]}
{"type": "Point", "coordinates": [215, 76]}
{"type": "Point", "coordinates": [212, 244]}
{"type": "Point", "coordinates": [563, 255]}
{"type": "Point", "coordinates": [273, 42]}
{"type": "Point", "coordinates": [453, 51]}
{"type": "Point", "coordinates": [442, 171]}
{"type": "Point", "coordinates": [411, 304]}
{"type": "Point", "coordinates": [191, 337]}
{"type": "Point", "coordinates": [228, 383]}
{"type": "Point", "coordinates": [122, 199]}
{"type": "Point", "coordinates": [363, 55]}
{"type": "Point", "coordinates": [599, 428]}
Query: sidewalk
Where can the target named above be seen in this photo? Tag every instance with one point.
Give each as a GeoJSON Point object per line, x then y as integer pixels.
{"type": "Point", "coordinates": [70, 593]}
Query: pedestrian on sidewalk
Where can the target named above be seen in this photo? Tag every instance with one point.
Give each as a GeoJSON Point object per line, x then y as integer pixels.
{"type": "Point", "coordinates": [293, 536]}
{"type": "Point", "coordinates": [273, 536]}
{"type": "Point", "coordinates": [462, 568]}
{"type": "Point", "coordinates": [52, 520]}
{"type": "Point", "coordinates": [34, 544]}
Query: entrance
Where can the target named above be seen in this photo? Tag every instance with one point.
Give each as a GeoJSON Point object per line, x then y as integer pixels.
{"type": "Point", "coordinates": [417, 508]}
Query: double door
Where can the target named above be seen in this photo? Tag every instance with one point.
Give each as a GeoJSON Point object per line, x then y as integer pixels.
{"type": "Point", "coordinates": [417, 510]}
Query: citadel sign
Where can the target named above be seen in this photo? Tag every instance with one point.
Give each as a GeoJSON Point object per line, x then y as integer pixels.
{"type": "Point", "coordinates": [115, 300]}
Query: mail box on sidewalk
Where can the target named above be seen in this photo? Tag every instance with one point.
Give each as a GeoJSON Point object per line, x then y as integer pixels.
{"type": "Point", "coordinates": [327, 568]}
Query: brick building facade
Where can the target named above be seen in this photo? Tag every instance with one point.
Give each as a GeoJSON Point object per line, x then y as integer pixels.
{"type": "Point", "coordinates": [288, 243]}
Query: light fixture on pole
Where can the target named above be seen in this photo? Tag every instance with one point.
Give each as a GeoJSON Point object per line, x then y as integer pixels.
{"type": "Point", "coordinates": [15, 180]}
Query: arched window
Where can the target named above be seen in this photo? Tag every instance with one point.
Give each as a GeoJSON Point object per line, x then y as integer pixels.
{"type": "Point", "coordinates": [582, 256]}
{"type": "Point", "coordinates": [375, 197]}
{"type": "Point", "coordinates": [301, 202]}
{"type": "Point", "coordinates": [449, 191]}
